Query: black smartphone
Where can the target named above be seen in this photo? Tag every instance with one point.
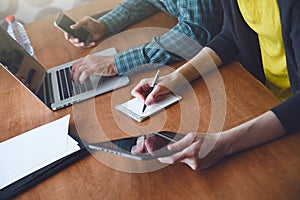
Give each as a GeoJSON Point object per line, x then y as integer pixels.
{"type": "Point", "coordinates": [123, 146]}
{"type": "Point", "coordinates": [64, 22]}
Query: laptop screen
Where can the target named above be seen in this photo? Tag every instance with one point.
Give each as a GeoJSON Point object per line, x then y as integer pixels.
{"type": "Point", "coordinates": [20, 64]}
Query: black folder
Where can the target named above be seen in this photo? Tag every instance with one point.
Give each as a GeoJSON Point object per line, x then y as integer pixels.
{"type": "Point", "coordinates": [38, 176]}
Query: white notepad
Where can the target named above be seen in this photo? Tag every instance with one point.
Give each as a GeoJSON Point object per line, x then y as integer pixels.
{"type": "Point", "coordinates": [133, 108]}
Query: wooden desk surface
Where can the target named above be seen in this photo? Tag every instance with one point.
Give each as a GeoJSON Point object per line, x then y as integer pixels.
{"type": "Point", "coordinates": [270, 171]}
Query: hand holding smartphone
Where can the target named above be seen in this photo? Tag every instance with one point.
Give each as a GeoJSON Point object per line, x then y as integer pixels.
{"type": "Point", "coordinates": [63, 22]}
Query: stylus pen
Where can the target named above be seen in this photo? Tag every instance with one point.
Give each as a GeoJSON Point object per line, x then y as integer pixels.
{"type": "Point", "coordinates": [152, 87]}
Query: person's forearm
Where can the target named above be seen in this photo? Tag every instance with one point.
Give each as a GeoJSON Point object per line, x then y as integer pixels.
{"type": "Point", "coordinates": [257, 131]}
{"type": "Point", "coordinates": [205, 61]}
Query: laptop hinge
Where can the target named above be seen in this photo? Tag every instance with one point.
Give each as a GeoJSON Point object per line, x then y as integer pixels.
{"type": "Point", "coordinates": [49, 89]}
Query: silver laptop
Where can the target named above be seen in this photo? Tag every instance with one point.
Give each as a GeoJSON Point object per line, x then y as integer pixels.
{"type": "Point", "coordinates": [53, 87]}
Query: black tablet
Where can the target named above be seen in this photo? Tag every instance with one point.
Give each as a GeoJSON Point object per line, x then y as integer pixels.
{"type": "Point", "coordinates": [123, 146]}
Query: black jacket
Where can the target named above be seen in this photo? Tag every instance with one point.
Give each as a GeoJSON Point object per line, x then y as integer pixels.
{"type": "Point", "coordinates": [237, 41]}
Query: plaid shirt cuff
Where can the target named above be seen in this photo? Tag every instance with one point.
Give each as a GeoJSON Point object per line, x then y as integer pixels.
{"type": "Point", "coordinates": [127, 60]}
{"type": "Point", "coordinates": [111, 22]}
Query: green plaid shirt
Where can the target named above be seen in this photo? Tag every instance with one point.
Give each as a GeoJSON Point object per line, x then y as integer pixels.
{"type": "Point", "coordinates": [198, 20]}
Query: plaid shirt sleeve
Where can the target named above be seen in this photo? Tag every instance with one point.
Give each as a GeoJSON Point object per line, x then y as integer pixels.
{"type": "Point", "coordinates": [198, 22]}
{"type": "Point", "coordinates": [126, 13]}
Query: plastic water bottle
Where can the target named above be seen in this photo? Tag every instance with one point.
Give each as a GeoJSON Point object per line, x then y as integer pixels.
{"type": "Point", "coordinates": [16, 30]}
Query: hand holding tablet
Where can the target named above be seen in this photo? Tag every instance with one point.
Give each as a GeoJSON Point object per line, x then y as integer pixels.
{"type": "Point", "coordinates": [130, 147]}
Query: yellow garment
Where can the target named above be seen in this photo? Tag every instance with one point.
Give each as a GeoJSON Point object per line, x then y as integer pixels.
{"type": "Point", "coordinates": [264, 18]}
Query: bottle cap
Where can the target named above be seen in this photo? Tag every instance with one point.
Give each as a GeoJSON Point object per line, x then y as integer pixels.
{"type": "Point", "coordinates": [10, 18]}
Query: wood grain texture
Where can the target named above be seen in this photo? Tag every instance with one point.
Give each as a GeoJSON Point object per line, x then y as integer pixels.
{"type": "Point", "coordinates": [270, 171]}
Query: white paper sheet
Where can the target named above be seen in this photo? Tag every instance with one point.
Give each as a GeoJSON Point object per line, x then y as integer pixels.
{"type": "Point", "coordinates": [35, 149]}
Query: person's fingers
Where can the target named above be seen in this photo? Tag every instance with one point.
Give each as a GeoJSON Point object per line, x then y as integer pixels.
{"type": "Point", "coordinates": [140, 89]}
{"type": "Point", "coordinates": [74, 67]}
{"type": "Point", "coordinates": [91, 44]}
{"type": "Point", "coordinates": [151, 97]}
{"type": "Point", "coordinates": [139, 147]}
{"type": "Point", "coordinates": [67, 36]}
{"type": "Point", "coordinates": [85, 73]}
{"type": "Point", "coordinates": [154, 95]}
{"type": "Point", "coordinates": [183, 143]}
{"type": "Point", "coordinates": [133, 150]}
{"type": "Point", "coordinates": [76, 42]}
{"type": "Point", "coordinates": [188, 152]}
{"type": "Point", "coordinates": [80, 23]}
{"type": "Point", "coordinates": [77, 69]}
{"type": "Point", "coordinates": [171, 159]}
{"type": "Point", "coordinates": [188, 156]}
{"type": "Point", "coordinates": [192, 163]}
{"type": "Point", "coordinates": [150, 144]}
{"type": "Point", "coordinates": [180, 146]}
{"type": "Point", "coordinates": [158, 93]}
{"type": "Point", "coordinates": [81, 44]}
{"type": "Point", "coordinates": [138, 94]}
{"type": "Point", "coordinates": [191, 156]}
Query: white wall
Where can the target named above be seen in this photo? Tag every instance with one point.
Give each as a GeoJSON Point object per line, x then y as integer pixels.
{"type": "Point", "coordinates": [30, 10]}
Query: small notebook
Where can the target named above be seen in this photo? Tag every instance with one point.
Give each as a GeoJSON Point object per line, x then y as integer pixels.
{"type": "Point", "coordinates": [133, 108]}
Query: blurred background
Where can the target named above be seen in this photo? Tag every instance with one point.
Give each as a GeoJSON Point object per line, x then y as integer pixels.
{"type": "Point", "coordinates": [27, 11]}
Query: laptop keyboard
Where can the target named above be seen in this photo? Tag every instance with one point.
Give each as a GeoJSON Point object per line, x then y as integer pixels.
{"type": "Point", "coordinates": [67, 88]}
